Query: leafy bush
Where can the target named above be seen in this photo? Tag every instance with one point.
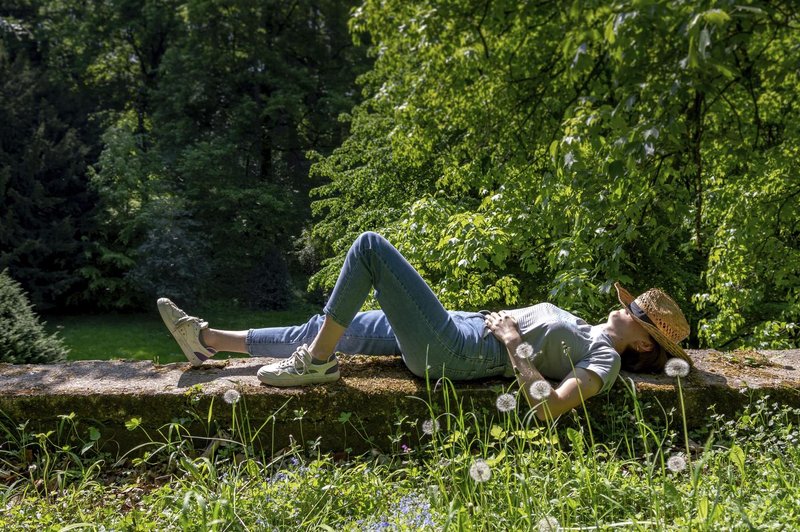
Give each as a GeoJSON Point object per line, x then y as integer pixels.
{"type": "Point", "coordinates": [22, 335]}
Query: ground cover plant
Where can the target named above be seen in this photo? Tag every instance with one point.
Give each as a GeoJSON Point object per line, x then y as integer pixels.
{"type": "Point", "coordinates": [459, 469]}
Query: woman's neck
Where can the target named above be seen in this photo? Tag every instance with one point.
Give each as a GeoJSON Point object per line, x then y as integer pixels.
{"type": "Point", "coordinates": [619, 343]}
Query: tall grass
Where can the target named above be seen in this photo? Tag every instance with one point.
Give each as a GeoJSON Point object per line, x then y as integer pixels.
{"type": "Point", "coordinates": [458, 469]}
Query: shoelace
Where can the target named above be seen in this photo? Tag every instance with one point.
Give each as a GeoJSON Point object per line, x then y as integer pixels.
{"type": "Point", "coordinates": [295, 360]}
{"type": "Point", "coordinates": [190, 319]}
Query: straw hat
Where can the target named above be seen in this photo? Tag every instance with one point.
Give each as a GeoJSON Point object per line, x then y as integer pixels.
{"type": "Point", "coordinates": [660, 316]}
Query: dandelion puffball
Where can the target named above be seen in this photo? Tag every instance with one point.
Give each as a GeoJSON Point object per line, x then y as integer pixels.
{"type": "Point", "coordinates": [525, 351]}
{"type": "Point", "coordinates": [548, 524]}
{"type": "Point", "coordinates": [676, 463]}
{"type": "Point", "coordinates": [676, 367]}
{"type": "Point", "coordinates": [231, 396]}
{"type": "Point", "coordinates": [540, 390]}
{"type": "Point", "coordinates": [480, 471]}
{"type": "Point", "coordinates": [429, 426]}
{"type": "Point", "coordinates": [506, 402]}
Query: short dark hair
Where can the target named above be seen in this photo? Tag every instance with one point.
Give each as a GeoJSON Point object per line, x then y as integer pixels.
{"type": "Point", "coordinates": [652, 361]}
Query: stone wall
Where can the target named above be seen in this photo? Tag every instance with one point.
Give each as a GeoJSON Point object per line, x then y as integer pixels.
{"type": "Point", "coordinates": [359, 412]}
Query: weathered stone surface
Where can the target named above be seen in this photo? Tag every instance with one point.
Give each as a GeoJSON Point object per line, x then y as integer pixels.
{"type": "Point", "coordinates": [375, 391]}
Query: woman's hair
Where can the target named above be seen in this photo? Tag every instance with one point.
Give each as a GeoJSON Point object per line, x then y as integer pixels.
{"type": "Point", "coordinates": [652, 361]}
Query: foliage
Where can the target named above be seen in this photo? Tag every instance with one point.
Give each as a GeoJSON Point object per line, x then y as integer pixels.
{"type": "Point", "coordinates": [203, 107]}
{"type": "Point", "coordinates": [221, 101]}
{"type": "Point", "coordinates": [635, 477]}
{"type": "Point", "coordinates": [23, 339]}
{"type": "Point", "coordinates": [173, 261]}
{"type": "Point", "coordinates": [45, 204]}
{"type": "Point", "coordinates": [514, 151]}
{"type": "Point", "coordinates": [544, 151]}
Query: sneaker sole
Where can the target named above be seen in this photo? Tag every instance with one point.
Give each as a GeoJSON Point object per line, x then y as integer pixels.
{"type": "Point", "coordinates": [298, 380]}
{"type": "Point", "coordinates": [195, 359]}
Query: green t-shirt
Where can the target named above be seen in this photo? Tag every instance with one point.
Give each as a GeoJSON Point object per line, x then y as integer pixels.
{"type": "Point", "coordinates": [561, 341]}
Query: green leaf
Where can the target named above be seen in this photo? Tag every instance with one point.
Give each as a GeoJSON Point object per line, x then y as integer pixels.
{"type": "Point", "coordinates": [497, 432]}
{"type": "Point", "coordinates": [494, 460]}
{"type": "Point", "coordinates": [737, 457]}
{"type": "Point", "coordinates": [576, 438]}
{"type": "Point", "coordinates": [716, 16]}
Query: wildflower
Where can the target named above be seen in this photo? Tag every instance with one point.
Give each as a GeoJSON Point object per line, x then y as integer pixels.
{"type": "Point", "coordinates": [540, 390]}
{"type": "Point", "coordinates": [405, 448]}
{"type": "Point", "coordinates": [506, 402]}
{"type": "Point", "coordinates": [32, 468]}
{"type": "Point", "coordinates": [429, 426]}
{"type": "Point", "coordinates": [525, 350]}
{"type": "Point", "coordinates": [676, 463]}
{"type": "Point", "coordinates": [548, 524]}
{"type": "Point", "coordinates": [480, 471]}
{"type": "Point", "coordinates": [676, 367]}
{"type": "Point", "coordinates": [231, 396]}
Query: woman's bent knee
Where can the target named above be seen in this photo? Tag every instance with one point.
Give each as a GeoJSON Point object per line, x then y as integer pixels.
{"type": "Point", "coordinates": [370, 239]}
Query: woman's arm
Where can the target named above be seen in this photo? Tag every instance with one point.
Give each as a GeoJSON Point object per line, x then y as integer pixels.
{"type": "Point", "coordinates": [576, 387]}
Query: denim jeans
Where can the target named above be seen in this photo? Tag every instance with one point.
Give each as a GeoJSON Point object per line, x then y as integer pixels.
{"type": "Point", "coordinates": [412, 322]}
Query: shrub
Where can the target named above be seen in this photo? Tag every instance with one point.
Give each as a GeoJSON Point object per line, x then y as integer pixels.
{"type": "Point", "coordinates": [22, 335]}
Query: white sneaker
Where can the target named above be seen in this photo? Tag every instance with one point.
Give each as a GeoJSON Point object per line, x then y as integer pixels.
{"type": "Point", "coordinates": [186, 331]}
{"type": "Point", "coordinates": [300, 368]}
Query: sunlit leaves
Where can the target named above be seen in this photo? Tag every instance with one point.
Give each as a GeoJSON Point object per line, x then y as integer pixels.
{"type": "Point", "coordinates": [571, 145]}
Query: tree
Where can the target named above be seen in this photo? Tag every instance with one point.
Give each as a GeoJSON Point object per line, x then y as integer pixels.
{"type": "Point", "coordinates": [221, 102]}
{"type": "Point", "coordinates": [45, 198]}
{"type": "Point", "coordinates": [571, 145]}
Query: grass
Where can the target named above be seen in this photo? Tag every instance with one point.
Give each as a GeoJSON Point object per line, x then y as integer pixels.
{"type": "Point", "coordinates": [456, 470]}
{"type": "Point", "coordinates": [142, 336]}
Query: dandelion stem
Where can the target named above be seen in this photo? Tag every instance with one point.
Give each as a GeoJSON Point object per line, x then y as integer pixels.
{"type": "Point", "coordinates": [685, 426]}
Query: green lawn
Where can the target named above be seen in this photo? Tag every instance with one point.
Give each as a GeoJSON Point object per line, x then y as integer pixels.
{"type": "Point", "coordinates": [142, 336]}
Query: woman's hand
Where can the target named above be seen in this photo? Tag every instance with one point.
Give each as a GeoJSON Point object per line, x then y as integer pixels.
{"type": "Point", "coordinates": [503, 326]}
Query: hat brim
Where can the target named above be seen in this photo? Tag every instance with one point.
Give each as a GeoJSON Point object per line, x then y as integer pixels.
{"type": "Point", "coordinates": [674, 349]}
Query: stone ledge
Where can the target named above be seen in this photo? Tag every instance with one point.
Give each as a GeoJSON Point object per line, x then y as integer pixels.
{"type": "Point", "coordinates": [376, 391]}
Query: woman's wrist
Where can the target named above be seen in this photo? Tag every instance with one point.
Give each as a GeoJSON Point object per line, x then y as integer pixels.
{"type": "Point", "coordinates": [512, 341]}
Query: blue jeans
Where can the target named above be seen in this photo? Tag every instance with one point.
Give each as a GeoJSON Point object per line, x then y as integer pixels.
{"type": "Point", "coordinates": [411, 323]}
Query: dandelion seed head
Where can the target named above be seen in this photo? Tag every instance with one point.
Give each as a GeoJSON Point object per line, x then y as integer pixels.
{"type": "Point", "coordinates": [548, 524]}
{"type": "Point", "coordinates": [231, 396]}
{"type": "Point", "coordinates": [676, 367]}
{"type": "Point", "coordinates": [506, 402]}
{"type": "Point", "coordinates": [525, 350]}
{"type": "Point", "coordinates": [480, 471]}
{"type": "Point", "coordinates": [676, 463]}
{"type": "Point", "coordinates": [540, 390]}
{"type": "Point", "coordinates": [429, 426]}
